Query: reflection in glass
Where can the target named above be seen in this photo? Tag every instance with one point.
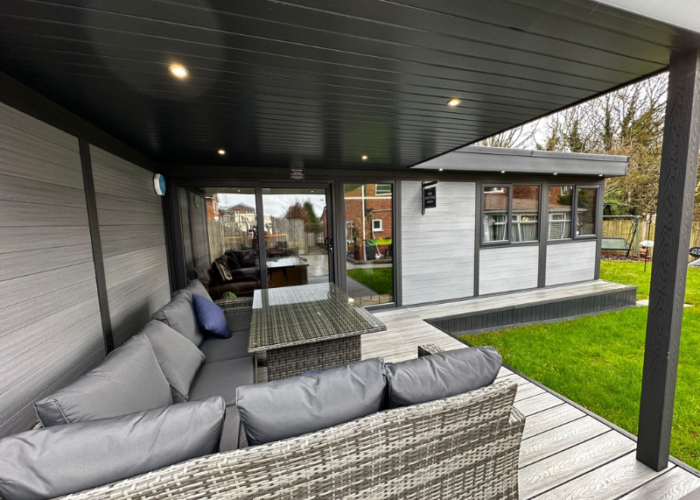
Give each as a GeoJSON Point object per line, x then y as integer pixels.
{"type": "Point", "coordinates": [369, 245]}
{"type": "Point", "coordinates": [495, 222]}
{"type": "Point", "coordinates": [219, 228]}
{"type": "Point", "coordinates": [560, 212]}
{"type": "Point", "coordinates": [296, 232]}
{"type": "Point", "coordinates": [585, 211]}
{"type": "Point", "coordinates": [526, 207]}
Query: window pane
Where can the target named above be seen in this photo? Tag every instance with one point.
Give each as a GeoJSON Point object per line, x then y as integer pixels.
{"type": "Point", "coordinates": [585, 211]}
{"type": "Point", "coordinates": [526, 206]}
{"type": "Point", "coordinates": [221, 230]}
{"type": "Point", "coordinates": [560, 212]}
{"type": "Point", "coordinates": [495, 223]}
{"type": "Point", "coordinates": [369, 250]}
{"type": "Point", "coordinates": [296, 227]}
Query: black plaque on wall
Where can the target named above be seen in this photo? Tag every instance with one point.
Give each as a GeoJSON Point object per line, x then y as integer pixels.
{"type": "Point", "coordinates": [429, 195]}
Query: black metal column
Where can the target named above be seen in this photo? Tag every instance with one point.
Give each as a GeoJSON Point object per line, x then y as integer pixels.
{"type": "Point", "coordinates": [679, 161]}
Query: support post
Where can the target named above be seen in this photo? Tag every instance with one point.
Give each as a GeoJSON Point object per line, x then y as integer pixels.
{"type": "Point", "coordinates": [679, 162]}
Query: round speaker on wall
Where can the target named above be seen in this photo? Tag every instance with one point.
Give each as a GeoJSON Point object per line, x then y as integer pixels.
{"type": "Point", "coordinates": [159, 184]}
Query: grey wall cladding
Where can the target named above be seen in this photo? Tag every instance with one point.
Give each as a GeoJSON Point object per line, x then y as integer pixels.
{"type": "Point", "coordinates": [50, 330]}
{"type": "Point", "coordinates": [133, 242]}
{"type": "Point", "coordinates": [437, 249]}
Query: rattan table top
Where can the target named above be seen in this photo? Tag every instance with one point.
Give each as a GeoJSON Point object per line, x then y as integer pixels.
{"type": "Point", "coordinates": [296, 315]}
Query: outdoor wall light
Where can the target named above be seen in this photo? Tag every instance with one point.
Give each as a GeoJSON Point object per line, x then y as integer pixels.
{"type": "Point", "coordinates": [555, 173]}
{"type": "Point", "coordinates": [222, 152]}
{"type": "Point", "coordinates": [503, 171]}
{"type": "Point", "coordinates": [179, 71]}
{"type": "Point", "coordinates": [364, 157]}
{"type": "Point", "coordinates": [441, 169]}
{"type": "Point", "coordinates": [454, 102]}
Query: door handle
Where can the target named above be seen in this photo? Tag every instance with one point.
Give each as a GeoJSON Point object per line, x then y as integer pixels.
{"type": "Point", "coordinates": [329, 243]}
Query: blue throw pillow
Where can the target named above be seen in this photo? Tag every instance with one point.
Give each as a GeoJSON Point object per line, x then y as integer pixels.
{"type": "Point", "coordinates": [210, 317]}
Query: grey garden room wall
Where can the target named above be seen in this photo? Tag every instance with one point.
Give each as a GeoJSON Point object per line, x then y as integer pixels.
{"type": "Point", "coordinates": [54, 324]}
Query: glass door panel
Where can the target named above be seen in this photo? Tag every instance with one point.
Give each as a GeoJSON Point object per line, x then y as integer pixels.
{"type": "Point", "coordinates": [232, 234]}
{"type": "Point", "coordinates": [297, 242]}
{"type": "Point", "coordinates": [369, 250]}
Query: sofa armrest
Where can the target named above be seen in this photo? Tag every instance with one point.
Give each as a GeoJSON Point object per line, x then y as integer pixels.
{"type": "Point", "coordinates": [428, 349]}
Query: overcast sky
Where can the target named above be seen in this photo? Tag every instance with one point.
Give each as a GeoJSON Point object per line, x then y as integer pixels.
{"type": "Point", "coordinates": [275, 204]}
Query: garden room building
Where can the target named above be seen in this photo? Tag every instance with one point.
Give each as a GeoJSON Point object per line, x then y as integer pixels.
{"type": "Point", "coordinates": [303, 182]}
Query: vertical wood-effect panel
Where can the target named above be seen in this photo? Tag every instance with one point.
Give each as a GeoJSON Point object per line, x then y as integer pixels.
{"type": "Point", "coordinates": [136, 271]}
{"type": "Point", "coordinates": [50, 327]}
{"type": "Point", "coordinates": [508, 269]}
{"type": "Point", "coordinates": [437, 249]}
{"type": "Point", "coordinates": [571, 262]}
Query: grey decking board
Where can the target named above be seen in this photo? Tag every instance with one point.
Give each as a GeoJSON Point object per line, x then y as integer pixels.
{"type": "Point", "coordinates": [559, 439]}
{"type": "Point", "coordinates": [672, 485]}
{"type": "Point", "coordinates": [609, 481]}
{"type": "Point", "coordinates": [551, 472]}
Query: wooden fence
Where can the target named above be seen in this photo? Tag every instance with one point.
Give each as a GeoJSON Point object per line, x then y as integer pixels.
{"type": "Point", "coordinates": [622, 228]}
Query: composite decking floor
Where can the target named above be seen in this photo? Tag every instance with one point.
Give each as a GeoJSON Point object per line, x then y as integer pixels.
{"type": "Point", "coordinates": [565, 453]}
{"type": "Point", "coordinates": [477, 304]}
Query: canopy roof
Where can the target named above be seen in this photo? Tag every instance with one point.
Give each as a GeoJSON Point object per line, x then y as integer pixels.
{"type": "Point", "coordinates": [327, 82]}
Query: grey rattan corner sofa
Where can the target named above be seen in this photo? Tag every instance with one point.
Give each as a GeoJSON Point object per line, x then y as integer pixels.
{"type": "Point", "coordinates": [437, 441]}
{"type": "Point", "coordinates": [465, 446]}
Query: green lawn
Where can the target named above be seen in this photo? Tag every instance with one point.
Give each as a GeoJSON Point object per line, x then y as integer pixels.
{"type": "Point", "coordinates": [381, 279]}
{"type": "Point", "coordinates": [597, 360]}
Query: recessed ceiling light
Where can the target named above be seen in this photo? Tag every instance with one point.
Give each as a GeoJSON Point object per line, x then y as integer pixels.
{"type": "Point", "coordinates": [222, 152]}
{"type": "Point", "coordinates": [600, 175]}
{"type": "Point", "coordinates": [179, 71]}
{"type": "Point", "coordinates": [503, 171]}
{"type": "Point", "coordinates": [442, 169]}
{"type": "Point", "coordinates": [454, 102]}
{"type": "Point", "coordinates": [555, 173]}
{"type": "Point", "coordinates": [364, 157]}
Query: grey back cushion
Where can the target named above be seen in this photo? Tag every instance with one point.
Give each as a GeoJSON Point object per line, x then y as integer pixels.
{"type": "Point", "coordinates": [179, 358]}
{"type": "Point", "coordinates": [441, 375]}
{"type": "Point", "coordinates": [46, 463]}
{"type": "Point", "coordinates": [129, 380]}
{"type": "Point", "coordinates": [299, 405]}
{"type": "Point", "coordinates": [179, 315]}
{"type": "Point", "coordinates": [195, 287]}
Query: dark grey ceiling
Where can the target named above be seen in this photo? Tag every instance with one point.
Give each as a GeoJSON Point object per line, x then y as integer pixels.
{"type": "Point", "coordinates": [323, 81]}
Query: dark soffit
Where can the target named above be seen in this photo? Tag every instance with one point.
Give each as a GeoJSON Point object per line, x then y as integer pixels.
{"type": "Point", "coordinates": [326, 82]}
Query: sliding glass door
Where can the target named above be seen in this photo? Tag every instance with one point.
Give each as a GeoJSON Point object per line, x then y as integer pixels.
{"type": "Point", "coordinates": [240, 239]}
{"type": "Point", "coordinates": [297, 242]}
{"type": "Point", "coordinates": [369, 248]}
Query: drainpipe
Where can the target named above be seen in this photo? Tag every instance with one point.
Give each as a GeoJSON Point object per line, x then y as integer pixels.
{"type": "Point", "coordinates": [364, 246]}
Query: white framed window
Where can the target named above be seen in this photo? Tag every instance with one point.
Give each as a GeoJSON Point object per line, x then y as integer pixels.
{"type": "Point", "coordinates": [559, 225]}
{"type": "Point", "coordinates": [524, 227]}
{"type": "Point", "coordinates": [377, 225]}
{"type": "Point", "coordinates": [383, 189]}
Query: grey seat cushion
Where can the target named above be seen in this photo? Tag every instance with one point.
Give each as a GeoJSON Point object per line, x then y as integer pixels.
{"type": "Point", "coordinates": [195, 287]}
{"type": "Point", "coordinates": [55, 461]}
{"type": "Point", "coordinates": [299, 405]}
{"type": "Point", "coordinates": [217, 350]}
{"type": "Point", "coordinates": [441, 375]}
{"type": "Point", "coordinates": [222, 379]}
{"type": "Point", "coordinates": [129, 380]}
{"type": "Point", "coordinates": [179, 315]}
{"type": "Point", "coordinates": [179, 358]}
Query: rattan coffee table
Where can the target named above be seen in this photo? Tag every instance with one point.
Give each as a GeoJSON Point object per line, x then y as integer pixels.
{"type": "Point", "coordinates": [308, 327]}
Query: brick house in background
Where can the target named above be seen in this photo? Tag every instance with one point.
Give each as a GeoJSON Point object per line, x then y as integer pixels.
{"type": "Point", "coordinates": [369, 221]}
